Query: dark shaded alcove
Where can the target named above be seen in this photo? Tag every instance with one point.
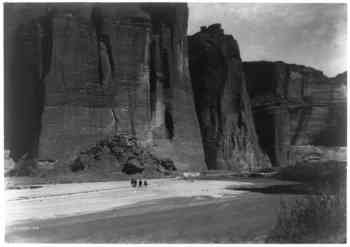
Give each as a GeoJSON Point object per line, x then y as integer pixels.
{"type": "Point", "coordinates": [260, 77]}
{"type": "Point", "coordinates": [169, 124]}
{"type": "Point", "coordinates": [265, 129]}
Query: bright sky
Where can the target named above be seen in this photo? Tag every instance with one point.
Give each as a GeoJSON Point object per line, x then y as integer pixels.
{"type": "Point", "coordinates": [309, 34]}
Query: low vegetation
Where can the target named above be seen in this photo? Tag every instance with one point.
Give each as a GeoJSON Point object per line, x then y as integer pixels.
{"type": "Point", "coordinates": [23, 167]}
{"type": "Point", "coordinates": [320, 217]}
{"type": "Point", "coordinates": [329, 172]}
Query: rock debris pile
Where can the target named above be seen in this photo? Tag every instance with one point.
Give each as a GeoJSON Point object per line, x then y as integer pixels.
{"type": "Point", "coordinates": [121, 153]}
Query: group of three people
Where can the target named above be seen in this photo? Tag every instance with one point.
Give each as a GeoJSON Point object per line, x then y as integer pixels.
{"type": "Point", "coordinates": [135, 182]}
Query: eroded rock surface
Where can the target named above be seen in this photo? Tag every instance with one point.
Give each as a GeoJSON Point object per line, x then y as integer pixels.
{"type": "Point", "coordinates": [175, 126]}
{"type": "Point", "coordinates": [76, 74]}
{"type": "Point", "coordinates": [296, 106]}
{"type": "Point", "coordinates": [222, 103]}
{"type": "Point", "coordinates": [120, 153]}
{"type": "Point", "coordinates": [89, 71]}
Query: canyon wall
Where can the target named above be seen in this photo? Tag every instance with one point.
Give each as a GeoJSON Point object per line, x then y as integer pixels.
{"type": "Point", "coordinates": [222, 103]}
{"type": "Point", "coordinates": [25, 68]}
{"type": "Point", "coordinates": [296, 108]}
{"type": "Point", "coordinates": [93, 70]}
{"type": "Point", "coordinates": [76, 73]}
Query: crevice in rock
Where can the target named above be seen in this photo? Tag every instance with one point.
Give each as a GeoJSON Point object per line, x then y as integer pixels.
{"type": "Point", "coordinates": [169, 124]}
{"type": "Point", "coordinates": [266, 131]}
{"type": "Point", "coordinates": [153, 79]}
{"type": "Point", "coordinates": [46, 44]}
{"type": "Point", "coordinates": [105, 40]}
{"type": "Point", "coordinates": [116, 120]}
{"type": "Point", "coordinates": [166, 71]}
{"type": "Point", "coordinates": [131, 107]}
{"type": "Point", "coordinates": [105, 61]}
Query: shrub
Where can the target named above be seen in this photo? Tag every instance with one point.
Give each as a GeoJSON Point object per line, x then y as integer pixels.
{"type": "Point", "coordinates": [306, 172]}
{"type": "Point", "coordinates": [77, 165]}
{"type": "Point", "coordinates": [323, 176]}
{"type": "Point", "coordinates": [24, 167]}
{"type": "Point", "coordinates": [314, 218]}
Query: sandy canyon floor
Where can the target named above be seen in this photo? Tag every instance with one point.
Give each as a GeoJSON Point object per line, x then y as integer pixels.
{"type": "Point", "coordinates": [170, 210]}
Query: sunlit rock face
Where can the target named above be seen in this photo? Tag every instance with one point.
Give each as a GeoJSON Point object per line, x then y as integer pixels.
{"type": "Point", "coordinates": [295, 106]}
{"type": "Point", "coordinates": [222, 103]}
{"type": "Point", "coordinates": [94, 70]}
{"type": "Point", "coordinates": [175, 126]}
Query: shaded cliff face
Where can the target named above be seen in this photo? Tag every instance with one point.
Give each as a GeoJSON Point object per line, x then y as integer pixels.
{"type": "Point", "coordinates": [295, 106]}
{"type": "Point", "coordinates": [27, 55]}
{"type": "Point", "coordinates": [101, 69]}
{"type": "Point", "coordinates": [222, 103]}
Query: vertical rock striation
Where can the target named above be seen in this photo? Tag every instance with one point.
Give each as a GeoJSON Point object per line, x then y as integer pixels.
{"type": "Point", "coordinates": [77, 109]}
{"type": "Point", "coordinates": [94, 70]}
{"type": "Point", "coordinates": [174, 122]}
{"type": "Point", "coordinates": [222, 103]}
{"type": "Point", "coordinates": [296, 106]}
{"type": "Point", "coordinates": [125, 31]}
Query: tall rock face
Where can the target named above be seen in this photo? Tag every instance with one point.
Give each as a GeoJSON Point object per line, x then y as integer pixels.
{"type": "Point", "coordinates": [175, 126]}
{"type": "Point", "coordinates": [76, 112]}
{"type": "Point", "coordinates": [222, 102]}
{"type": "Point", "coordinates": [27, 45]}
{"type": "Point", "coordinates": [296, 106]}
{"type": "Point", "coordinates": [102, 69]}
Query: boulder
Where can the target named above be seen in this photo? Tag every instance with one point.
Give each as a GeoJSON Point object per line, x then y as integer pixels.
{"type": "Point", "coordinates": [133, 166]}
{"type": "Point", "coordinates": [78, 165]}
{"type": "Point", "coordinates": [168, 164]}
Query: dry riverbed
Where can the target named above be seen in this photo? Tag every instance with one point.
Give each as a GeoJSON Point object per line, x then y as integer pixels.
{"type": "Point", "coordinates": [168, 210]}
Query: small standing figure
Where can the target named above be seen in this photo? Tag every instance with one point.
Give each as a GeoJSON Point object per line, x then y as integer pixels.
{"type": "Point", "coordinates": [133, 182]}
{"type": "Point", "coordinates": [140, 183]}
{"type": "Point", "coordinates": [145, 183]}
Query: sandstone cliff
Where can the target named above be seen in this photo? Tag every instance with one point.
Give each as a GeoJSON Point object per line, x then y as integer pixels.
{"type": "Point", "coordinates": [76, 74]}
{"type": "Point", "coordinates": [25, 67]}
{"type": "Point", "coordinates": [222, 103]}
{"type": "Point", "coordinates": [88, 71]}
{"type": "Point", "coordinates": [296, 106]}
